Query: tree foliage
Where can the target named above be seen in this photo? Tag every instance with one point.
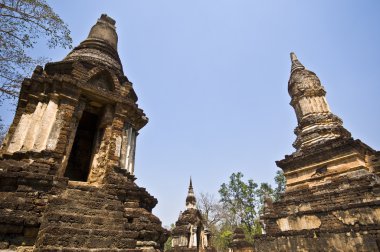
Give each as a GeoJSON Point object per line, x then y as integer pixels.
{"type": "Point", "coordinates": [281, 184]}
{"type": "Point", "coordinates": [265, 190]}
{"type": "Point", "coordinates": [22, 24]}
{"type": "Point", "coordinates": [168, 243]}
{"type": "Point", "coordinates": [245, 200]}
{"type": "Point", "coordinates": [240, 198]}
{"type": "Point", "coordinates": [240, 205]}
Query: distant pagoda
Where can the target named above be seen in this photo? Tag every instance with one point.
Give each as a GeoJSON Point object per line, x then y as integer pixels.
{"type": "Point", "coordinates": [190, 232]}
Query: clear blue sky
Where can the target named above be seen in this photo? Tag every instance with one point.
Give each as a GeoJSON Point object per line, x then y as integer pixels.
{"type": "Point", "coordinates": [212, 77]}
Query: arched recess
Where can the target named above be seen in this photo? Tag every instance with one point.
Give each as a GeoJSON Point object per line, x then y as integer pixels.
{"type": "Point", "coordinates": [103, 79]}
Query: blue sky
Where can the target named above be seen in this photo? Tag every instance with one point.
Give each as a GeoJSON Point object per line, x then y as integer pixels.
{"type": "Point", "coordinates": [212, 77]}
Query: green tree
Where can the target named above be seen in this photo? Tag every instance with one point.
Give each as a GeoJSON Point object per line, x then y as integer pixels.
{"type": "Point", "coordinates": [22, 24]}
{"type": "Point", "coordinates": [168, 243]}
{"type": "Point", "coordinates": [280, 181]}
{"type": "Point", "coordinates": [223, 238]}
{"type": "Point", "coordinates": [240, 198]}
{"type": "Point", "coordinates": [244, 201]}
{"type": "Point", "coordinates": [265, 190]}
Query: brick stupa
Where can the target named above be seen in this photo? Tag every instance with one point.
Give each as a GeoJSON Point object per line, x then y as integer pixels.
{"type": "Point", "coordinates": [332, 197]}
{"type": "Point", "coordinates": [67, 162]}
{"type": "Point", "coordinates": [191, 233]}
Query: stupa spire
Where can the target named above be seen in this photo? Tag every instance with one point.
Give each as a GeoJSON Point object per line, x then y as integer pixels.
{"type": "Point", "coordinates": [100, 45]}
{"type": "Point", "coordinates": [191, 185]}
{"type": "Point", "coordinates": [316, 123]}
{"type": "Point", "coordinates": [296, 64]}
{"type": "Point", "coordinates": [105, 31]}
{"type": "Point", "coordinates": [190, 199]}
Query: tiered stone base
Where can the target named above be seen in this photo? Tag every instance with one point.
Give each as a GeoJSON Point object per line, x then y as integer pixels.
{"type": "Point", "coordinates": [351, 241]}
{"type": "Point", "coordinates": [42, 212]}
{"type": "Point", "coordinates": [342, 215]}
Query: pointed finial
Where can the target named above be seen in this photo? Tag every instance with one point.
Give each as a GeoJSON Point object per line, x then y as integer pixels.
{"type": "Point", "coordinates": [293, 56]}
{"type": "Point", "coordinates": [191, 184]}
{"type": "Point", "coordinates": [190, 199]}
{"type": "Point", "coordinates": [296, 64]}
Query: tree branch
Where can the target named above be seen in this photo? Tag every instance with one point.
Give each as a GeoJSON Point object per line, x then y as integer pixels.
{"type": "Point", "coordinates": [28, 20]}
{"type": "Point", "coordinates": [8, 92]}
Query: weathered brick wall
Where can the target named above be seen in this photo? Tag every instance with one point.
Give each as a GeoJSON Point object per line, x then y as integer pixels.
{"type": "Point", "coordinates": [47, 212]}
{"type": "Point", "coordinates": [358, 191]}
{"type": "Point", "coordinates": [106, 210]}
{"type": "Point", "coordinates": [24, 196]}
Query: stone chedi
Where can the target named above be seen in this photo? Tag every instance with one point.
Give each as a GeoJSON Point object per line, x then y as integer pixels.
{"type": "Point", "coordinates": [67, 162]}
{"type": "Point", "coordinates": [332, 198]}
{"type": "Point", "coordinates": [190, 232]}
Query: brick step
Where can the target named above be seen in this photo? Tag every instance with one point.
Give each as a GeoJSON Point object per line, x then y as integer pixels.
{"type": "Point", "coordinates": [121, 226]}
{"type": "Point", "coordinates": [85, 189]}
{"type": "Point", "coordinates": [88, 196]}
{"type": "Point", "coordinates": [109, 205]}
{"type": "Point", "coordinates": [66, 219]}
{"type": "Point", "coordinates": [59, 230]}
{"type": "Point", "coordinates": [86, 211]}
{"type": "Point", "coordinates": [86, 238]}
{"type": "Point", "coordinates": [93, 194]}
{"type": "Point", "coordinates": [18, 217]}
{"type": "Point", "coordinates": [18, 203]}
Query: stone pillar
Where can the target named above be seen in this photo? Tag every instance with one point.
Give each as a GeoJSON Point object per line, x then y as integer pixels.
{"type": "Point", "coordinates": [46, 125]}
{"type": "Point", "coordinates": [193, 237]}
{"type": "Point", "coordinates": [34, 126]}
{"type": "Point", "coordinates": [204, 238]}
{"type": "Point", "coordinates": [131, 165]}
{"type": "Point", "coordinates": [55, 131]}
{"type": "Point", "coordinates": [19, 135]}
{"type": "Point", "coordinates": [128, 149]}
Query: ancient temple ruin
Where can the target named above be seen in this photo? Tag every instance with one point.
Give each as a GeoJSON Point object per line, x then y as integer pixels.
{"type": "Point", "coordinates": [332, 198]}
{"type": "Point", "coordinates": [67, 168]}
{"type": "Point", "coordinates": [67, 162]}
{"type": "Point", "coordinates": [190, 232]}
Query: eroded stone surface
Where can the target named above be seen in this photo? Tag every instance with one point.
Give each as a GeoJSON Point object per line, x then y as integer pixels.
{"type": "Point", "coordinates": [63, 183]}
{"type": "Point", "coordinates": [299, 223]}
{"type": "Point", "coordinates": [362, 216]}
{"type": "Point", "coordinates": [332, 197]}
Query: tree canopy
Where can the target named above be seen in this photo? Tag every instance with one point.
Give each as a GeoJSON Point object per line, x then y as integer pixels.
{"type": "Point", "coordinates": [240, 205]}
{"type": "Point", "coordinates": [240, 199]}
{"type": "Point", "coordinates": [23, 23]}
